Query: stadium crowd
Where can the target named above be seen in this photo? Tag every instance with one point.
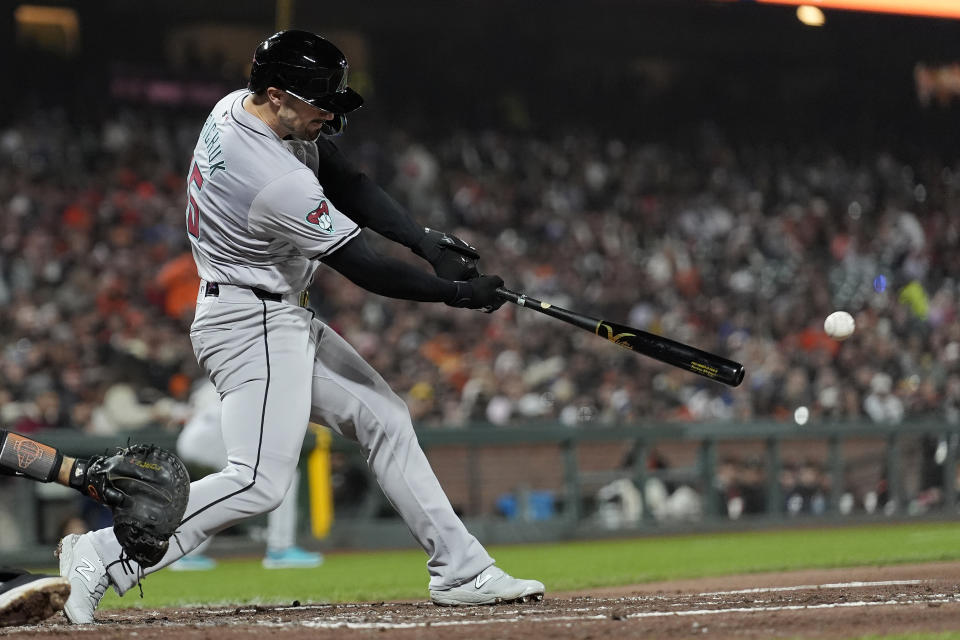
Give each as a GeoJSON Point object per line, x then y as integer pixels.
{"type": "Point", "coordinates": [739, 248]}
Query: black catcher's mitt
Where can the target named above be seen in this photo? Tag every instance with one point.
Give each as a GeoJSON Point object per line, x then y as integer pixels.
{"type": "Point", "coordinates": [146, 488]}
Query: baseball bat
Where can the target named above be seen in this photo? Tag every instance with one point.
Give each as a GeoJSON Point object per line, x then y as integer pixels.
{"type": "Point", "coordinates": [702, 363]}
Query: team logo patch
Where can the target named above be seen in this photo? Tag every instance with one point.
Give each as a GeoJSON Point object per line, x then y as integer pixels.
{"type": "Point", "coordinates": [321, 217]}
{"type": "Point", "coordinates": [27, 452]}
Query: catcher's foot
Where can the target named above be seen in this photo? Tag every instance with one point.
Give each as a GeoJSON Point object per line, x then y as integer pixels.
{"type": "Point", "coordinates": [81, 565]}
{"type": "Point", "coordinates": [28, 598]}
{"type": "Point", "coordinates": [492, 586]}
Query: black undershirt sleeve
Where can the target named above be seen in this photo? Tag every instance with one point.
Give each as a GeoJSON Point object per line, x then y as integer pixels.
{"type": "Point", "coordinates": [362, 200]}
{"type": "Point", "coordinates": [388, 276]}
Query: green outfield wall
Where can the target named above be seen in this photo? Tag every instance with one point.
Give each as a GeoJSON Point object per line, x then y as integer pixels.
{"type": "Point", "coordinates": [539, 482]}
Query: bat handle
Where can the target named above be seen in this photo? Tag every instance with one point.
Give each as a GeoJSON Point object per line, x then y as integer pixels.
{"type": "Point", "coordinates": [510, 296]}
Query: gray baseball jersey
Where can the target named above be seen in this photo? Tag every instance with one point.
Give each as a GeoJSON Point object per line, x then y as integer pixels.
{"type": "Point", "coordinates": [256, 214]}
{"type": "Point", "coordinates": [257, 217]}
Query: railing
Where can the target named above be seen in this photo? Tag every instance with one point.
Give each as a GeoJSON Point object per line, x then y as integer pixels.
{"type": "Point", "coordinates": [708, 439]}
{"type": "Point", "coordinates": [564, 471]}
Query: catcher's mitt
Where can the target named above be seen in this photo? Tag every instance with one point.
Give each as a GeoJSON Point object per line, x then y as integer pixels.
{"type": "Point", "coordinates": [146, 488]}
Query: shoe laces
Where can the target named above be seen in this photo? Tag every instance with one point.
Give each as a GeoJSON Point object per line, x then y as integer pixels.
{"type": "Point", "coordinates": [127, 564]}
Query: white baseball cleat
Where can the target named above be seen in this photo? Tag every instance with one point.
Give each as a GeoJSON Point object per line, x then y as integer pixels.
{"type": "Point", "coordinates": [27, 598]}
{"type": "Point", "coordinates": [491, 586]}
{"type": "Point", "coordinates": [81, 565]}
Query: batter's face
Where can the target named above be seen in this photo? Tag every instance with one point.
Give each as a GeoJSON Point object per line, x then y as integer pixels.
{"type": "Point", "coordinates": [300, 119]}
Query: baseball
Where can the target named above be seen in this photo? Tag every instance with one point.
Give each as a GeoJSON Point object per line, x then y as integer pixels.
{"type": "Point", "coordinates": [839, 325]}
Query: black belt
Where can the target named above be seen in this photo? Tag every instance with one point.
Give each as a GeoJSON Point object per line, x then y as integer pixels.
{"type": "Point", "coordinates": [213, 289]}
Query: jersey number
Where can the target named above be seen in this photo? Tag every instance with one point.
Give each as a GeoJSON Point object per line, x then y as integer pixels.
{"type": "Point", "coordinates": [193, 211]}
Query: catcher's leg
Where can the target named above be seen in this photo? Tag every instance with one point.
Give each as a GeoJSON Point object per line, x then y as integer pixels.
{"type": "Point", "coordinates": [350, 397]}
{"type": "Point", "coordinates": [261, 366]}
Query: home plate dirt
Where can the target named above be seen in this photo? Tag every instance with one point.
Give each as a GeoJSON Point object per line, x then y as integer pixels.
{"type": "Point", "coordinates": [845, 603]}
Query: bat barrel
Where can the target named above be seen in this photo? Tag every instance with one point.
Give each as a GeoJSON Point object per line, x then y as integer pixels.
{"type": "Point", "coordinates": [683, 356]}
{"type": "Point", "coordinates": [678, 354]}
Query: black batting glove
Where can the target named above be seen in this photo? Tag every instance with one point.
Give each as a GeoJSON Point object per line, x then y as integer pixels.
{"type": "Point", "coordinates": [451, 257]}
{"type": "Point", "coordinates": [478, 293]}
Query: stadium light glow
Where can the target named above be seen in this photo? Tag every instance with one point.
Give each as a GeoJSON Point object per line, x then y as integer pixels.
{"type": "Point", "coordinates": [929, 8]}
{"type": "Point", "coordinates": [810, 15]}
{"type": "Point", "coordinates": [53, 28]}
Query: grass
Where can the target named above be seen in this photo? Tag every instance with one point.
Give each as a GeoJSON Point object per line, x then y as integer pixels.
{"type": "Point", "coordinates": [946, 635]}
{"type": "Point", "coordinates": [395, 575]}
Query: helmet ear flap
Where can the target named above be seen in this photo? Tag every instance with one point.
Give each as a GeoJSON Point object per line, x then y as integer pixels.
{"type": "Point", "coordinates": [335, 126]}
{"type": "Point", "coordinates": [261, 77]}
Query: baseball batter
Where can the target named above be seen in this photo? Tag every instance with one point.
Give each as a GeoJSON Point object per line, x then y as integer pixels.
{"type": "Point", "coordinates": [260, 221]}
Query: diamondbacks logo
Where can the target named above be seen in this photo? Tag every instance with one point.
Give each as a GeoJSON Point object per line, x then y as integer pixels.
{"type": "Point", "coordinates": [321, 217]}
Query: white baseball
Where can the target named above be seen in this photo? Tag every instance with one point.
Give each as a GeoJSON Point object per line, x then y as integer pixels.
{"type": "Point", "coordinates": [839, 325]}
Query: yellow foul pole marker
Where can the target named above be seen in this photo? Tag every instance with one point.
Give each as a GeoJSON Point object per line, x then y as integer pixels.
{"type": "Point", "coordinates": [284, 14]}
{"type": "Point", "coordinates": [321, 487]}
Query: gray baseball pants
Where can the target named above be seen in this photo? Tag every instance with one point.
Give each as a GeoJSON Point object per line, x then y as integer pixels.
{"type": "Point", "coordinates": [200, 443]}
{"type": "Point", "coordinates": [276, 368]}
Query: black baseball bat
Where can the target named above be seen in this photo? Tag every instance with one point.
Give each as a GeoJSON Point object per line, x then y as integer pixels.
{"type": "Point", "coordinates": [702, 363]}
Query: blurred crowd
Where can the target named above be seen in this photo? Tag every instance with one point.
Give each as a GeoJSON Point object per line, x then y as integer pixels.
{"type": "Point", "coordinates": [739, 247]}
{"type": "Point", "coordinates": [745, 486]}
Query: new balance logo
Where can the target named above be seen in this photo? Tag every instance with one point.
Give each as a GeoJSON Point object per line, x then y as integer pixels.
{"type": "Point", "coordinates": [86, 570]}
{"type": "Point", "coordinates": [482, 580]}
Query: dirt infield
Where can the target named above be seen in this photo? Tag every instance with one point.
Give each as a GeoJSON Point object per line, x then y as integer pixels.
{"type": "Point", "coordinates": [843, 603]}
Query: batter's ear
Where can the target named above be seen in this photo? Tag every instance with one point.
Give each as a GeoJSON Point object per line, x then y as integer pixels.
{"type": "Point", "coordinates": [275, 96]}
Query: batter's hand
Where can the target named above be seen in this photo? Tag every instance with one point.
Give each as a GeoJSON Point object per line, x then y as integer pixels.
{"type": "Point", "coordinates": [479, 293]}
{"type": "Point", "coordinates": [451, 257]}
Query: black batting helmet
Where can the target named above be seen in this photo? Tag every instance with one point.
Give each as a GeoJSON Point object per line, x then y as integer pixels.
{"type": "Point", "coordinates": [307, 67]}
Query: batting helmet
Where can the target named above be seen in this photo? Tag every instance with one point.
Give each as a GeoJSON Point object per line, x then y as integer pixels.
{"type": "Point", "coordinates": [307, 67]}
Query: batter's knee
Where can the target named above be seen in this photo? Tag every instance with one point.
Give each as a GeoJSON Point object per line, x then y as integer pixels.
{"type": "Point", "coordinates": [270, 489]}
{"type": "Point", "coordinates": [392, 424]}
{"type": "Point", "coordinates": [258, 491]}
{"type": "Point", "coordinates": [394, 413]}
